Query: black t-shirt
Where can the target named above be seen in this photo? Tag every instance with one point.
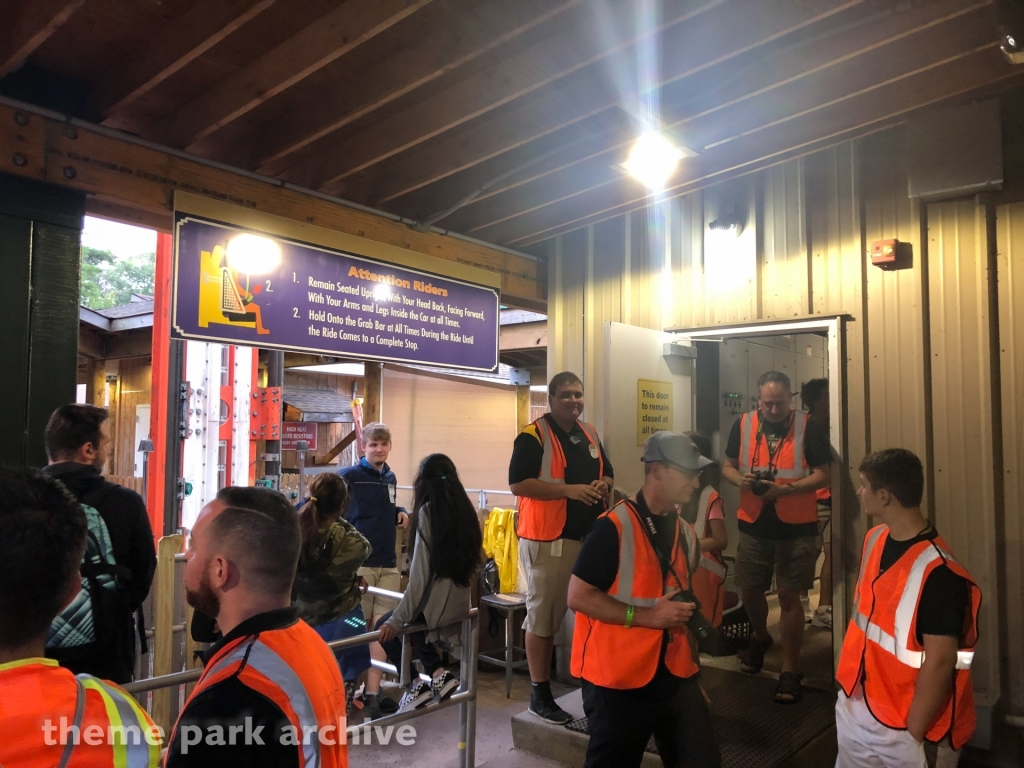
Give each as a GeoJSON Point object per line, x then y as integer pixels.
{"type": "Point", "coordinates": [580, 469]}
{"type": "Point", "coordinates": [945, 597]}
{"type": "Point", "coordinates": [230, 702]}
{"type": "Point", "coordinates": [818, 452]}
{"type": "Point", "coordinates": [598, 562]}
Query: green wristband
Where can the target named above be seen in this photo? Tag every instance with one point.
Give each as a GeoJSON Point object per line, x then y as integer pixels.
{"type": "Point", "coordinates": [629, 616]}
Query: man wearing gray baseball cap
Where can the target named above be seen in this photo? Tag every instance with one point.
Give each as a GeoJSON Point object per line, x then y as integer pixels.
{"type": "Point", "coordinates": [631, 591]}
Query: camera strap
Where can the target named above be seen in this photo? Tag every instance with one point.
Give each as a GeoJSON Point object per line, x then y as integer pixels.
{"type": "Point", "coordinates": [641, 510]}
{"type": "Point", "coordinates": [772, 454]}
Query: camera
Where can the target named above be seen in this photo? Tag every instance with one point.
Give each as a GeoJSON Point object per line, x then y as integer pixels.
{"type": "Point", "coordinates": [699, 625]}
{"type": "Point", "coordinates": [759, 487]}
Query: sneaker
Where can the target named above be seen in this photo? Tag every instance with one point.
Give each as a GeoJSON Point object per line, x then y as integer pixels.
{"type": "Point", "coordinates": [808, 613]}
{"type": "Point", "coordinates": [371, 708]}
{"type": "Point", "coordinates": [417, 695]}
{"type": "Point", "coordinates": [752, 657]}
{"type": "Point", "coordinates": [548, 711]}
{"type": "Point", "coordinates": [822, 617]}
{"type": "Point", "coordinates": [443, 685]}
{"type": "Point", "coordinates": [387, 705]}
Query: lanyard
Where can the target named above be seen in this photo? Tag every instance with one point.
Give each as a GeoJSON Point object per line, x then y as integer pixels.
{"type": "Point", "coordinates": [647, 521]}
{"type": "Point", "coordinates": [778, 446]}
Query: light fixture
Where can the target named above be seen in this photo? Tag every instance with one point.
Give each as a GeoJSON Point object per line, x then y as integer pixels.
{"type": "Point", "coordinates": [653, 160]}
{"type": "Point", "coordinates": [253, 254]}
{"type": "Point", "coordinates": [729, 220]}
{"type": "Point", "coordinates": [381, 292]}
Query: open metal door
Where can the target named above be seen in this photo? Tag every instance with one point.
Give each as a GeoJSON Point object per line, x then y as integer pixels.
{"type": "Point", "coordinates": [646, 390]}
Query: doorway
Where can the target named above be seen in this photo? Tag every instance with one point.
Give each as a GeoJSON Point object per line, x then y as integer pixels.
{"type": "Point", "coordinates": [730, 360]}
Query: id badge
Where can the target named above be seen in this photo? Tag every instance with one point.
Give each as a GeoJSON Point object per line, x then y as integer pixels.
{"type": "Point", "coordinates": [391, 493]}
{"type": "Point", "coordinates": [556, 548]}
{"type": "Point", "coordinates": [593, 451]}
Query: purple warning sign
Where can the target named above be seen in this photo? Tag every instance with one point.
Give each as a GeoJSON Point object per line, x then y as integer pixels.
{"type": "Point", "coordinates": [237, 286]}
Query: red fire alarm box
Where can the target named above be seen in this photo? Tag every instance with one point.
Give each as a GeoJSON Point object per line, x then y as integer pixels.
{"type": "Point", "coordinates": [892, 254]}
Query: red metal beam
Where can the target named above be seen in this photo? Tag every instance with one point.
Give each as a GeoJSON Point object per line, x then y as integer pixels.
{"type": "Point", "coordinates": [161, 355]}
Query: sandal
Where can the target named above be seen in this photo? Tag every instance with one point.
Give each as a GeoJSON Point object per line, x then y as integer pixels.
{"type": "Point", "coordinates": [790, 691]}
{"type": "Point", "coordinates": [752, 658]}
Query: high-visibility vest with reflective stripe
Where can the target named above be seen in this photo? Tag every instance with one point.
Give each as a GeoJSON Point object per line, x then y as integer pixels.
{"type": "Point", "coordinates": [709, 578]}
{"type": "Point", "coordinates": [612, 656]}
{"type": "Point", "coordinates": [544, 520]}
{"type": "Point", "coordinates": [36, 692]}
{"type": "Point", "coordinates": [790, 465]}
{"type": "Point", "coordinates": [296, 670]}
{"type": "Point", "coordinates": [881, 649]}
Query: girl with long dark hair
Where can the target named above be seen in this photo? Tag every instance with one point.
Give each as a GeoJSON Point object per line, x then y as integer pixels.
{"type": "Point", "coordinates": [327, 589]}
{"type": "Point", "coordinates": [445, 559]}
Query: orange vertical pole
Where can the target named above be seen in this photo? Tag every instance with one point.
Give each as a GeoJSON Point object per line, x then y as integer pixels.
{"type": "Point", "coordinates": [158, 407]}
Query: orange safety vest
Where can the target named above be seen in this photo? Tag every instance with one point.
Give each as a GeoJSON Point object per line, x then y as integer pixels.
{"type": "Point", "coordinates": [612, 656]}
{"type": "Point", "coordinates": [881, 649]}
{"type": "Point", "coordinates": [709, 578]}
{"type": "Point", "coordinates": [544, 520]}
{"type": "Point", "coordinates": [37, 694]}
{"type": "Point", "coordinates": [296, 670]}
{"type": "Point", "coordinates": [790, 465]}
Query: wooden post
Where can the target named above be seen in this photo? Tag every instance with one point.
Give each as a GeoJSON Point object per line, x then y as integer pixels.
{"type": "Point", "coordinates": [373, 402]}
{"type": "Point", "coordinates": [191, 646]}
{"type": "Point", "coordinates": [96, 383]}
{"type": "Point", "coordinates": [522, 408]}
{"type": "Point", "coordinates": [163, 625]}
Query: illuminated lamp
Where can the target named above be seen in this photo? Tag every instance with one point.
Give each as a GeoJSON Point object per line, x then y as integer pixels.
{"type": "Point", "coordinates": [253, 254]}
{"type": "Point", "coordinates": [653, 159]}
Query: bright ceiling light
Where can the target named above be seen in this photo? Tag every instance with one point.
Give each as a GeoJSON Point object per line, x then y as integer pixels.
{"type": "Point", "coordinates": [653, 160]}
{"type": "Point", "coordinates": [253, 254]}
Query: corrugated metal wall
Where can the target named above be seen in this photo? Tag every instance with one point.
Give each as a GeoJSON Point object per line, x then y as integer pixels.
{"type": "Point", "coordinates": [919, 354]}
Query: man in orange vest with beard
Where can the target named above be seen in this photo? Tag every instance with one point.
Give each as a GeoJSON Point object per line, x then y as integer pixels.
{"type": "Point", "coordinates": [271, 693]}
{"type": "Point", "coordinates": [632, 645]}
{"type": "Point", "coordinates": [906, 659]}
{"type": "Point", "coordinates": [562, 477]}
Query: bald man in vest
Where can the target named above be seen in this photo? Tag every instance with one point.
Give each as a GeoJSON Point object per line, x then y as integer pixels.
{"type": "Point", "coordinates": [632, 645]}
{"type": "Point", "coordinates": [905, 667]}
{"type": "Point", "coordinates": [563, 478]}
{"type": "Point", "coordinates": [779, 458]}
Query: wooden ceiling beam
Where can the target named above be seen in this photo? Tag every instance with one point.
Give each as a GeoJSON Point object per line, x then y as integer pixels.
{"type": "Point", "coordinates": [866, 112]}
{"type": "Point", "coordinates": [752, 95]}
{"type": "Point", "coordinates": [21, 34]}
{"type": "Point", "coordinates": [686, 50]}
{"type": "Point", "coordinates": [182, 42]}
{"type": "Point", "coordinates": [349, 25]}
{"type": "Point", "coordinates": [464, 39]}
{"type": "Point", "coordinates": [520, 336]}
{"type": "Point", "coordinates": [578, 44]}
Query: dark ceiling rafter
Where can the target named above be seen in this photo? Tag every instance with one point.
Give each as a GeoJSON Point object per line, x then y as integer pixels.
{"type": "Point", "coordinates": [466, 39]}
{"type": "Point", "coordinates": [867, 112]}
{"type": "Point", "coordinates": [537, 66]}
{"type": "Point", "coordinates": [184, 41]}
{"type": "Point", "coordinates": [794, 82]}
{"type": "Point", "coordinates": [21, 34]}
{"type": "Point", "coordinates": [351, 24]}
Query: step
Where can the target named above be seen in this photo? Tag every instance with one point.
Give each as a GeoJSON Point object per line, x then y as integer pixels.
{"type": "Point", "coordinates": [752, 730]}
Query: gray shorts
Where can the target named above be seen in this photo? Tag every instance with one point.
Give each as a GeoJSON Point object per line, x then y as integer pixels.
{"type": "Point", "coordinates": [792, 561]}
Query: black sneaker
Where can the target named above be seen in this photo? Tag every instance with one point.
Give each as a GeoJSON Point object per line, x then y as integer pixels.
{"type": "Point", "coordinates": [371, 708]}
{"type": "Point", "coordinates": [548, 711]}
{"type": "Point", "coordinates": [443, 685]}
{"type": "Point", "coordinates": [387, 705]}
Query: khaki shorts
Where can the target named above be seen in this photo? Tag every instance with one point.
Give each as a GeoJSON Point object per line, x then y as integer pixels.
{"type": "Point", "coordinates": [378, 605]}
{"type": "Point", "coordinates": [547, 577]}
{"type": "Point", "coordinates": [824, 523]}
{"type": "Point", "coordinates": [793, 562]}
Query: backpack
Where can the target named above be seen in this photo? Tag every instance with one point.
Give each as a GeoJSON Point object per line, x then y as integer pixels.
{"type": "Point", "coordinates": [92, 619]}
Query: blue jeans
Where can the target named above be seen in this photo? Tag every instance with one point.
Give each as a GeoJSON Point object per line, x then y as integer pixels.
{"type": "Point", "coordinates": [353, 661]}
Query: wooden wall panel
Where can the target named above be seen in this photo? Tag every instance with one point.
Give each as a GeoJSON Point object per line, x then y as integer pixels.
{"type": "Point", "coordinates": [964, 500]}
{"type": "Point", "coordinates": [1010, 238]}
{"type": "Point", "coordinates": [134, 388]}
{"type": "Point", "coordinates": [474, 424]}
{"type": "Point", "coordinates": [784, 272]}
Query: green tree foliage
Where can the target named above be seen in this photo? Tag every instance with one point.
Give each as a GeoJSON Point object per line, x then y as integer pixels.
{"type": "Point", "coordinates": [110, 281]}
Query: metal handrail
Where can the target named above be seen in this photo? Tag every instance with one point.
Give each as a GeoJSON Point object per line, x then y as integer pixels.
{"type": "Point", "coordinates": [482, 497]}
{"type": "Point", "coordinates": [464, 697]}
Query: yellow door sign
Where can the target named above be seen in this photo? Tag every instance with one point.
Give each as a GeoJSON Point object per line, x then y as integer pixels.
{"type": "Point", "coordinates": [653, 408]}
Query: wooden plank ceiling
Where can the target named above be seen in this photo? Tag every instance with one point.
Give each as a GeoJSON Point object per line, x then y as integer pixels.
{"type": "Point", "coordinates": [501, 119]}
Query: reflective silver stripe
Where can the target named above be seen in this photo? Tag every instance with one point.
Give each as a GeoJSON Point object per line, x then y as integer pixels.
{"type": "Point", "coordinates": [873, 537]}
{"type": "Point", "coordinates": [907, 608]}
{"type": "Point", "coordinates": [964, 659]}
{"type": "Point", "coordinates": [268, 663]}
{"type": "Point", "coordinates": [712, 566]}
{"type": "Point", "coordinates": [746, 448]}
{"type": "Point", "coordinates": [128, 754]}
{"type": "Point", "coordinates": [692, 546]}
{"type": "Point", "coordinates": [703, 506]}
{"type": "Point", "coordinates": [626, 550]}
{"type": "Point", "coordinates": [798, 470]}
{"type": "Point", "coordinates": [547, 438]}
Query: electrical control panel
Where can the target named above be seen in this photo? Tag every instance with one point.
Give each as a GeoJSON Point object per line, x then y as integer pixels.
{"type": "Point", "coordinates": [733, 403]}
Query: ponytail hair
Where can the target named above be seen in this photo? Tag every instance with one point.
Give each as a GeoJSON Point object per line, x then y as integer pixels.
{"type": "Point", "coordinates": [328, 498]}
{"type": "Point", "coordinates": [455, 537]}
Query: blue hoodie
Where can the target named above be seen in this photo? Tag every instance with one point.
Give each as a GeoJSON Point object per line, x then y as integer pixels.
{"type": "Point", "coordinates": [372, 509]}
